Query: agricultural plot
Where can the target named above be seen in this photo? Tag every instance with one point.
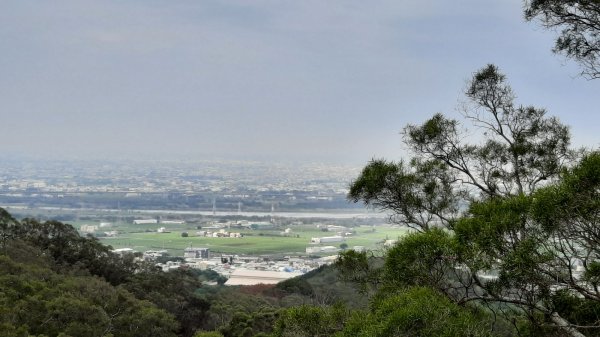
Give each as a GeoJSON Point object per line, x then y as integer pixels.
{"type": "Point", "coordinates": [254, 242]}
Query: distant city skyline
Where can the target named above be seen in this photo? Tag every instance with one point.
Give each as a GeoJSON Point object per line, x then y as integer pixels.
{"type": "Point", "coordinates": [330, 81]}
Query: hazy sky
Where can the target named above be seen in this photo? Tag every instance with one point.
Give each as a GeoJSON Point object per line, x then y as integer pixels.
{"type": "Point", "coordinates": [321, 80]}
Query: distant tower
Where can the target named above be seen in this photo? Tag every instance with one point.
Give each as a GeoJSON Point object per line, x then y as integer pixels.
{"type": "Point", "coordinates": [80, 210]}
{"type": "Point", "coordinates": [272, 212]}
{"type": "Point", "coordinates": [214, 206]}
{"type": "Point", "coordinates": [239, 207]}
{"type": "Point", "coordinates": [119, 215]}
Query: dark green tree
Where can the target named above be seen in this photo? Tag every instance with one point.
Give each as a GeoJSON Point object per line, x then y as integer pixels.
{"type": "Point", "coordinates": [165, 295]}
{"type": "Point", "coordinates": [69, 250]}
{"type": "Point", "coordinates": [417, 311]}
{"type": "Point", "coordinates": [174, 292]}
{"type": "Point", "coordinates": [36, 301]}
{"type": "Point", "coordinates": [578, 23]}
{"type": "Point", "coordinates": [311, 321]}
{"type": "Point", "coordinates": [8, 227]}
{"type": "Point", "coordinates": [544, 250]}
{"type": "Point", "coordinates": [519, 149]}
{"type": "Point", "coordinates": [496, 221]}
{"type": "Point", "coordinates": [208, 334]}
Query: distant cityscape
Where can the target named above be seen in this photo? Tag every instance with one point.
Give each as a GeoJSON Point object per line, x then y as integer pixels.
{"type": "Point", "coordinates": [160, 211]}
{"type": "Point", "coordinates": [233, 186]}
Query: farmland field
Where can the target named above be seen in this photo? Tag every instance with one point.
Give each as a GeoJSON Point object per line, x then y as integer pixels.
{"type": "Point", "coordinates": [254, 242]}
{"type": "Point", "coordinates": [369, 233]}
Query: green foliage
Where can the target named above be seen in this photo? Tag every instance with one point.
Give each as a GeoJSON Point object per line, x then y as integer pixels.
{"type": "Point", "coordinates": [329, 288]}
{"type": "Point", "coordinates": [417, 311]}
{"type": "Point", "coordinates": [234, 310]}
{"type": "Point", "coordinates": [209, 275]}
{"type": "Point", "coordinates": [577, 310]}
{"type": "Point", "coordinates": [250, 324]}
{"type": "Point", "coordinates": [481, 236]}
{"type": "Point", "coordinates": [59, 248]}
{"type": "Point", "coordinates": [208, 334]}
{"type": "Point", "coordinates": [592, 274]}
{"type": "Point", "coordinates": [577, 196]}
{"type": "Point", "coordinates": [578, 23]}
{"type": "Point", "coordinates": [374, 178]}
{"type": "Point", "coordinates": [535, 244]}
{"type": "Point", "coordinates": [361, 268]}
{"type": "Point", "coordinates": [310, 321]}
{"type": "Point", "coordinates": [71, 251]}
{"type": "Point", "coordinates": [296, 285]}
{"type": "Point", "coordinates": [420, 259]}
{"type": "Point", "coordinates": [416, 193]}
{"type": "Point", "coordinates": [522, 147]}
{"type": "Point", "coordinates": [8, 227]}
{"type": "Point", "coordinates": [175, 292]}
{"type": "Point", "coordinates": [531, 226]}
{"type": "Point", "coordinates": [36, 300]}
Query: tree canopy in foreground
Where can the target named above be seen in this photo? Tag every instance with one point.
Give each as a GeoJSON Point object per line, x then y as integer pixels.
{"type": "Point", "coordinates": [578, 23]}
{"type": "Point", "coordinates": [507, 223]}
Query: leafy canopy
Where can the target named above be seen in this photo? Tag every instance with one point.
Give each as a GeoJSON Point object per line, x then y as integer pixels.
{"type": "Point", "coordinates": [578, 26]}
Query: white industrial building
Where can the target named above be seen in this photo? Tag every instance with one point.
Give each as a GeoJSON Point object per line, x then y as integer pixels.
{"type": "Point", "coordinates": [327, 239]}
{"type": "Point", "coordinates": [123, 251]}
{"type": "Point", "coordinates": [144, 221]}
{"type": "Point", "coordinates": [321, 249]}
{"type": "Point", "coordinates": [248, 277]}
{"type": "Point", "coordinates": [88, 228]}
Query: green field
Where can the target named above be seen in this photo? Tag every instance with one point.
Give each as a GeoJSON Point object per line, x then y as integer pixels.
{"type": "Point", "coordinates": [254, 242]}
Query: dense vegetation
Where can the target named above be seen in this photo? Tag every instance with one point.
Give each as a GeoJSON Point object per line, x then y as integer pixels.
{"type": "Point", "coordinates": [578, 24]}
{"type": "Point", "coordinates": [507, 236]}
{"type": "Point", "coordinates": [53, 282]}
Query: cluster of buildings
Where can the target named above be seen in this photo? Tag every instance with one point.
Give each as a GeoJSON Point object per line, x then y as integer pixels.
{"type": "Point", "coordinates": [239, 269]}
{"type": "Point", "coordinates": [93, 229]}
{"type": "Point", "coordinates": [221, 233]}
{"type": "Point", "coordinates": [237, 180]}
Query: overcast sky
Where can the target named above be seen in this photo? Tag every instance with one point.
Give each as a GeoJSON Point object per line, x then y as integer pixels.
{"type": "Point", "coordinates": [318, 80]}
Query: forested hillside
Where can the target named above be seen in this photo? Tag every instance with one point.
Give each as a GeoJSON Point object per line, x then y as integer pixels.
{"type": "Point", "coordinates": [56, 283]}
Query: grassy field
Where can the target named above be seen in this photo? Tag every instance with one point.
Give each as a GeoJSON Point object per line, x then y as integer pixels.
{"type": "Point", "coordinates": [254, 242]}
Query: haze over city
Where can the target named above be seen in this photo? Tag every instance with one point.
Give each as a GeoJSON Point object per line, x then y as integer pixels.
{"type": "Point", "coordinates": [309, 80]}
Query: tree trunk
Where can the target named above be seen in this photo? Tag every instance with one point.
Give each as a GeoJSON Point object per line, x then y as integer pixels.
{"type": "Point", "coordinates": [565, 325]}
